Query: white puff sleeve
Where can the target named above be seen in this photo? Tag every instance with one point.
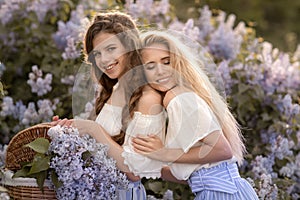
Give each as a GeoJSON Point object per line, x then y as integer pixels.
{"type": "Point", "coordinates": [144, 125]}
{"type": "Point", "coordinates": [110, 118]}
{"type": "Point", "coordinates": [190, 120]}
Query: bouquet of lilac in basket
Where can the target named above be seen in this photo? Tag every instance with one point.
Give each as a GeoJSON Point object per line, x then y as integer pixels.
{"type": "Point", "coordinates": [79, 167]}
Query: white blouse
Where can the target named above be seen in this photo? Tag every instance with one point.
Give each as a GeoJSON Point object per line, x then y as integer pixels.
{"type": "Point", "coordinates": [190, 120]}
{"type": "Point", "coordinates": [144, 125]}
{"type": "Point", "coordinates": [110, 118]}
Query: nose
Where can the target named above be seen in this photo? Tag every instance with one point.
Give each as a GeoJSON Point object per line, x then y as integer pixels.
{"type": "Point", "coordinates": [104, 59]}
{"type": "Point", "coordinates": [160, 69]}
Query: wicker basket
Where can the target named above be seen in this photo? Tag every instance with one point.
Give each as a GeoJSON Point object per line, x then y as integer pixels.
{"type": "Point", "coordinates": [22, 192]}
{"type": "Point", "coordinates": [16, 154]}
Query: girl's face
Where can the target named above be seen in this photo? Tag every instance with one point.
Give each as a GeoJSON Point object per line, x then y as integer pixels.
{"type": "Point", "coordinates": [157, 67]}
{"type": "Point", "coordinates": [109, 55]}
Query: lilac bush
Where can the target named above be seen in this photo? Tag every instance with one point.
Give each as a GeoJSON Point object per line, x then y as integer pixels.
{"type": "Point", "coordinates": [262, 83]}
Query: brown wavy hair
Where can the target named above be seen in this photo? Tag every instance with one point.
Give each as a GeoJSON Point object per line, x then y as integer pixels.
{"type": "Point", "coordinates": [124, 27]}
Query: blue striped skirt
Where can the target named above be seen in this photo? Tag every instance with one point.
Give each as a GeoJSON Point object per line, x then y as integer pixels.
{"type": "Point", "coordinates": [135, 191]}
{"type": "Point", "coordinates": [221, 182]}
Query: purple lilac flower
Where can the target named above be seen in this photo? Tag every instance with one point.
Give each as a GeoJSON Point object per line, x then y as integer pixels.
{"type": "Point", "coordinates": [263, 165]}
{"type": "Point", "coordinates": [280, 74]}
{"type": "Point", "coordinates": [149, 9]}
{"type": "Point", "coordinates": [95, 177]}
{"type": "Point", "coordinates": [176, 25]}
{"type": "Point", "coordinates": [204, 23]}
{"type": "Point", "coordinates": [93, 4]}
{"type": "Point", "coordinates": [7, 107]}
{"type": "Point", "coordinates": [224, 43]}
{"type": "Point", "coordinates": [286, 106]}
{"type": "Point", "coordinates": [68, 80]}
{"type": "Point", "coordinates": [190, 30]}
{"type": "Point", "coordinates": [38, 84]}
{"type": "Point", "coordinates": [70, 34]}
{"type": "Point", "coordinates": [288, 170]}
{"type": "Point", "coordinates": [267, 189]}
{"type": "Point", "coordinates": [281, 147]}
{"type": "Point", "coordinates": [41, 7]}
{"type": "Point", "coordinates": [30, 115]}
{"type": "Point", "coordinates": [240, 29]}
{"type": "Point", "coordinates": [224, 70]}
{"type": "Point", "coordinates": [45, 109]}
{"type": "Point", "coordinates": [168, 195]}
{"type": "Point", "coordinates": [71, 51]}
{"type": "Point", "coordinates": [161, 8]}
{"type": "Point", "coordinates": [269, 136]}
{"type": "Point", "coordinates": [7, 9]}
{"type": "Point", "coordinates": [139, 8]}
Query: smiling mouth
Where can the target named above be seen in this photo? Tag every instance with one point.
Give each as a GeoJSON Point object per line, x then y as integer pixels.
{"type": "Point", "coordinates": [109, 67]}
{"type": "Point", "coordinates": [163, 80]}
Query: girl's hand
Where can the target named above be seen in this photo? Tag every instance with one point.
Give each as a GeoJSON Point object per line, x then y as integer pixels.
{"type": "Point", "coordinates": [61, 122]}
{"type": "Point", "coordinates": [150, 146]}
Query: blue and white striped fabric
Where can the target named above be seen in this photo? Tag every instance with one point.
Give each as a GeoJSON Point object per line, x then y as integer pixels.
{"type": "Point", "coordinates": [221, 182]}
{"type": "Point", "coordinates": [136, 191]}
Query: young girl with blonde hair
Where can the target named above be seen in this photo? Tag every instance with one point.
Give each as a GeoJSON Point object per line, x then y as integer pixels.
{"type": "Point", "coordinates": [199, 123]}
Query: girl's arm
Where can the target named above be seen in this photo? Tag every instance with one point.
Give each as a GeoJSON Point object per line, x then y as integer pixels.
{"type": "Point", "coordinates": [167, 175]}
{"type": "Point", "coordinates": [114, 151]}
{"type": "Point", "coordinates": [213, 148]}
{"type": "Point", "coordinates": [149, 104]}
{"type": "Point", "coordinates": [92, 128]}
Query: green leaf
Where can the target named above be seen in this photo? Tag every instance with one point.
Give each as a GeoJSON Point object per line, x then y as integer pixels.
{"type": "Point", "coordinates": [1, 89]}
{"type": "Point", "coordinates": [21, 173]}
{"type": "Point", "coordinates": [243, 88]}
{"type": "Point", "coordinates": [54, 179]}
{"type": "Point", "coordinates": [40, 179]}
{"type": "Point", "coordinates": [86, 155]}
{"type": "Point", "coordinates": [40, 163]}
{"type": "Point", "coordinates": [39, 145]}
{"type": "Point", "coordinates": [155, 186]}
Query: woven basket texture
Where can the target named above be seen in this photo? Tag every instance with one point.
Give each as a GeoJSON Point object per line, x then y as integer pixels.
{"type": "Point", "coordinates": [17, 153]}
{"type": "Point", "coordinates": [28, 193]}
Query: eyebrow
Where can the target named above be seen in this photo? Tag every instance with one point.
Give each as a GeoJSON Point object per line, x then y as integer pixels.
{"type": "Point", "coordinates": [164, 58]}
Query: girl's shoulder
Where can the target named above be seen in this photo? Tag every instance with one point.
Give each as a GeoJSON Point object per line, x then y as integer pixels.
{"type": "Point", "coordinates": [174, 92]}
{"type": "Point", "coordinates": [150, 102]}
{"type": "Point", "coordinates": [151, 95]}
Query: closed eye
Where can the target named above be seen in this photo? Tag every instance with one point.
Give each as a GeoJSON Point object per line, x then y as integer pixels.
{"type": "Point", "coordinates": [149, 66]}
{"type": "Point", "coordinates": [166, 61]}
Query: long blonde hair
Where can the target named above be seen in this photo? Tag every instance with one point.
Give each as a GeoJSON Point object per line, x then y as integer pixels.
{"type": "Point", "coordinates": [193, 76]}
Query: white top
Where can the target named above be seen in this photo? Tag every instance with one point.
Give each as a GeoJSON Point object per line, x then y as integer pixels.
{"type": "Point", "coordinates": [110, 118]}
{"type": "Point", "coordinates": [190, 120]}
{"type": "Point", "coordinates": [144, 125]}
